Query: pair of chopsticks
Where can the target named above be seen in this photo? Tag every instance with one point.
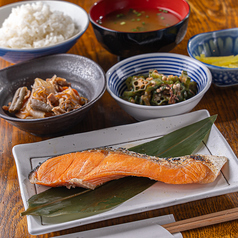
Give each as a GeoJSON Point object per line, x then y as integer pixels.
{"type": "Point", "coordinates": [201, 221]}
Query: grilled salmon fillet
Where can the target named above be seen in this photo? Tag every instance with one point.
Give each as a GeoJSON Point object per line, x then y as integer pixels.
{"type": "Point", "coordinates": [92, 168]}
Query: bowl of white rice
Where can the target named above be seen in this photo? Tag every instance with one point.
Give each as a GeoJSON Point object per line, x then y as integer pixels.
{"type": "Point", "coordinates": [31, 29]}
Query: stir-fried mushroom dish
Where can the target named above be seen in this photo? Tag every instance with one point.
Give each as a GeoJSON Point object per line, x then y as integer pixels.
{"type": "Point", "coordinates": [50, 97]}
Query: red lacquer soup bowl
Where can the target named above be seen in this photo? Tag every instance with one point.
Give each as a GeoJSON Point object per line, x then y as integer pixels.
{"type": "Point", "coordinates": [125, 44]}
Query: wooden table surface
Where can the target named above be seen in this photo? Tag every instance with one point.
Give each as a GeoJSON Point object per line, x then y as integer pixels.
{"type": "Point", "coordinates": [206, 15]}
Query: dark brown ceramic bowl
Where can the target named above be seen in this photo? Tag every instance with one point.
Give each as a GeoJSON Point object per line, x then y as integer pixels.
{"type": "Point", "coordinates": [84, 75]}
{"type": "Point", "coordinates": [126, 44]}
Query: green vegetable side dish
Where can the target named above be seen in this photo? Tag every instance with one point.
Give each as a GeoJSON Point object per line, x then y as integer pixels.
{"type": "Point", "coordinates": [156, 89]}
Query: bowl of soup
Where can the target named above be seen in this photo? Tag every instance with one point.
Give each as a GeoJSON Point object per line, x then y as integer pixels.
{"type": "Point", "coordinates": [131, 27]}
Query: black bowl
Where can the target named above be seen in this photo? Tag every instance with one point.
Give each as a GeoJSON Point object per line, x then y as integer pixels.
{"type": "Point", "coordinates": [126, 44]}
{"type": "Point", "coordinates": [84, 75]}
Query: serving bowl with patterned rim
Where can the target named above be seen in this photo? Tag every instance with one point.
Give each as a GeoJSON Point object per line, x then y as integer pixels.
{"type": "Point", "coordinates": [217, 43]}
{"type": "Point", "coordinates": [165, 63]}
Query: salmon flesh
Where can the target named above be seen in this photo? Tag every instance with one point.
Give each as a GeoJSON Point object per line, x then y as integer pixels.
{"type": "Point", "coordinates": [92, 168]}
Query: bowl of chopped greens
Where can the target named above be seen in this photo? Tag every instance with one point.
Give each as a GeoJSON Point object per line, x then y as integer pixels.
{"type": "Point", "coordinates": [156, 85]}
{"type": "Point", "coordinates": [218, 50]}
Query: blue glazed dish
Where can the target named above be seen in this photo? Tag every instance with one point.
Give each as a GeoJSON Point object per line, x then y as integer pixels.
{"type": "Point", "coordinates": [165, 63]}
{"type": "Point", "coordinates": [78, 14]}
{"type": "Point", "coordinates": [217, 43]}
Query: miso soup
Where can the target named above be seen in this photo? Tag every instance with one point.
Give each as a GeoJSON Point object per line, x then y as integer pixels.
{"type": "Point", "coordinates": [131, 20]}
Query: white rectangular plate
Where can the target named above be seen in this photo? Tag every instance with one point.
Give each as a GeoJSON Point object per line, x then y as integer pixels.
{"type": "Point", "coordinates": [27, 156]}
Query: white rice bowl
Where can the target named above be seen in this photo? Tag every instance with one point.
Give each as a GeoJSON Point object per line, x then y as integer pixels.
{"type": "Point", "coordinates": [34, 26]}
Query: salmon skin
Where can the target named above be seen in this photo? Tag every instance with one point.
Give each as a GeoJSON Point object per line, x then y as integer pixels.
{"type": "Point", "coordinates": [92, 168]}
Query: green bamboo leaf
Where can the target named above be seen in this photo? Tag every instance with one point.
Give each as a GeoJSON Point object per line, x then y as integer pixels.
{"type": "Point", "coordinates": [39, 203]}
{"type": "Point", "coordinates": [181, 142]}
{"type": "Point", "coordinates": [82, 202]}
{"type": "Point", "coordinates": [62, 204]}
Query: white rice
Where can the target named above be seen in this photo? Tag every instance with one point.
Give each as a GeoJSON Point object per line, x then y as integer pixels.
{"type": "Point", "coordinates": [35, 25]}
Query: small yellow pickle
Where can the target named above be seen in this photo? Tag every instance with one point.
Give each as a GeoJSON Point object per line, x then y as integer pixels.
{"type": "Point", "coordinates": [230, 61]}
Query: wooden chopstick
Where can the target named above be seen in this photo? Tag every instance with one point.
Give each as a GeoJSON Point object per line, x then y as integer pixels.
{"type": "Point", "coordinates": [201, 221]}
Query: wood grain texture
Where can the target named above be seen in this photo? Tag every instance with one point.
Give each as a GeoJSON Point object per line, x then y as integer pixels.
{"type": "Point", "coordinates": [203, 220]}
{"type": "Point", "coordinates": [206, 15]}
